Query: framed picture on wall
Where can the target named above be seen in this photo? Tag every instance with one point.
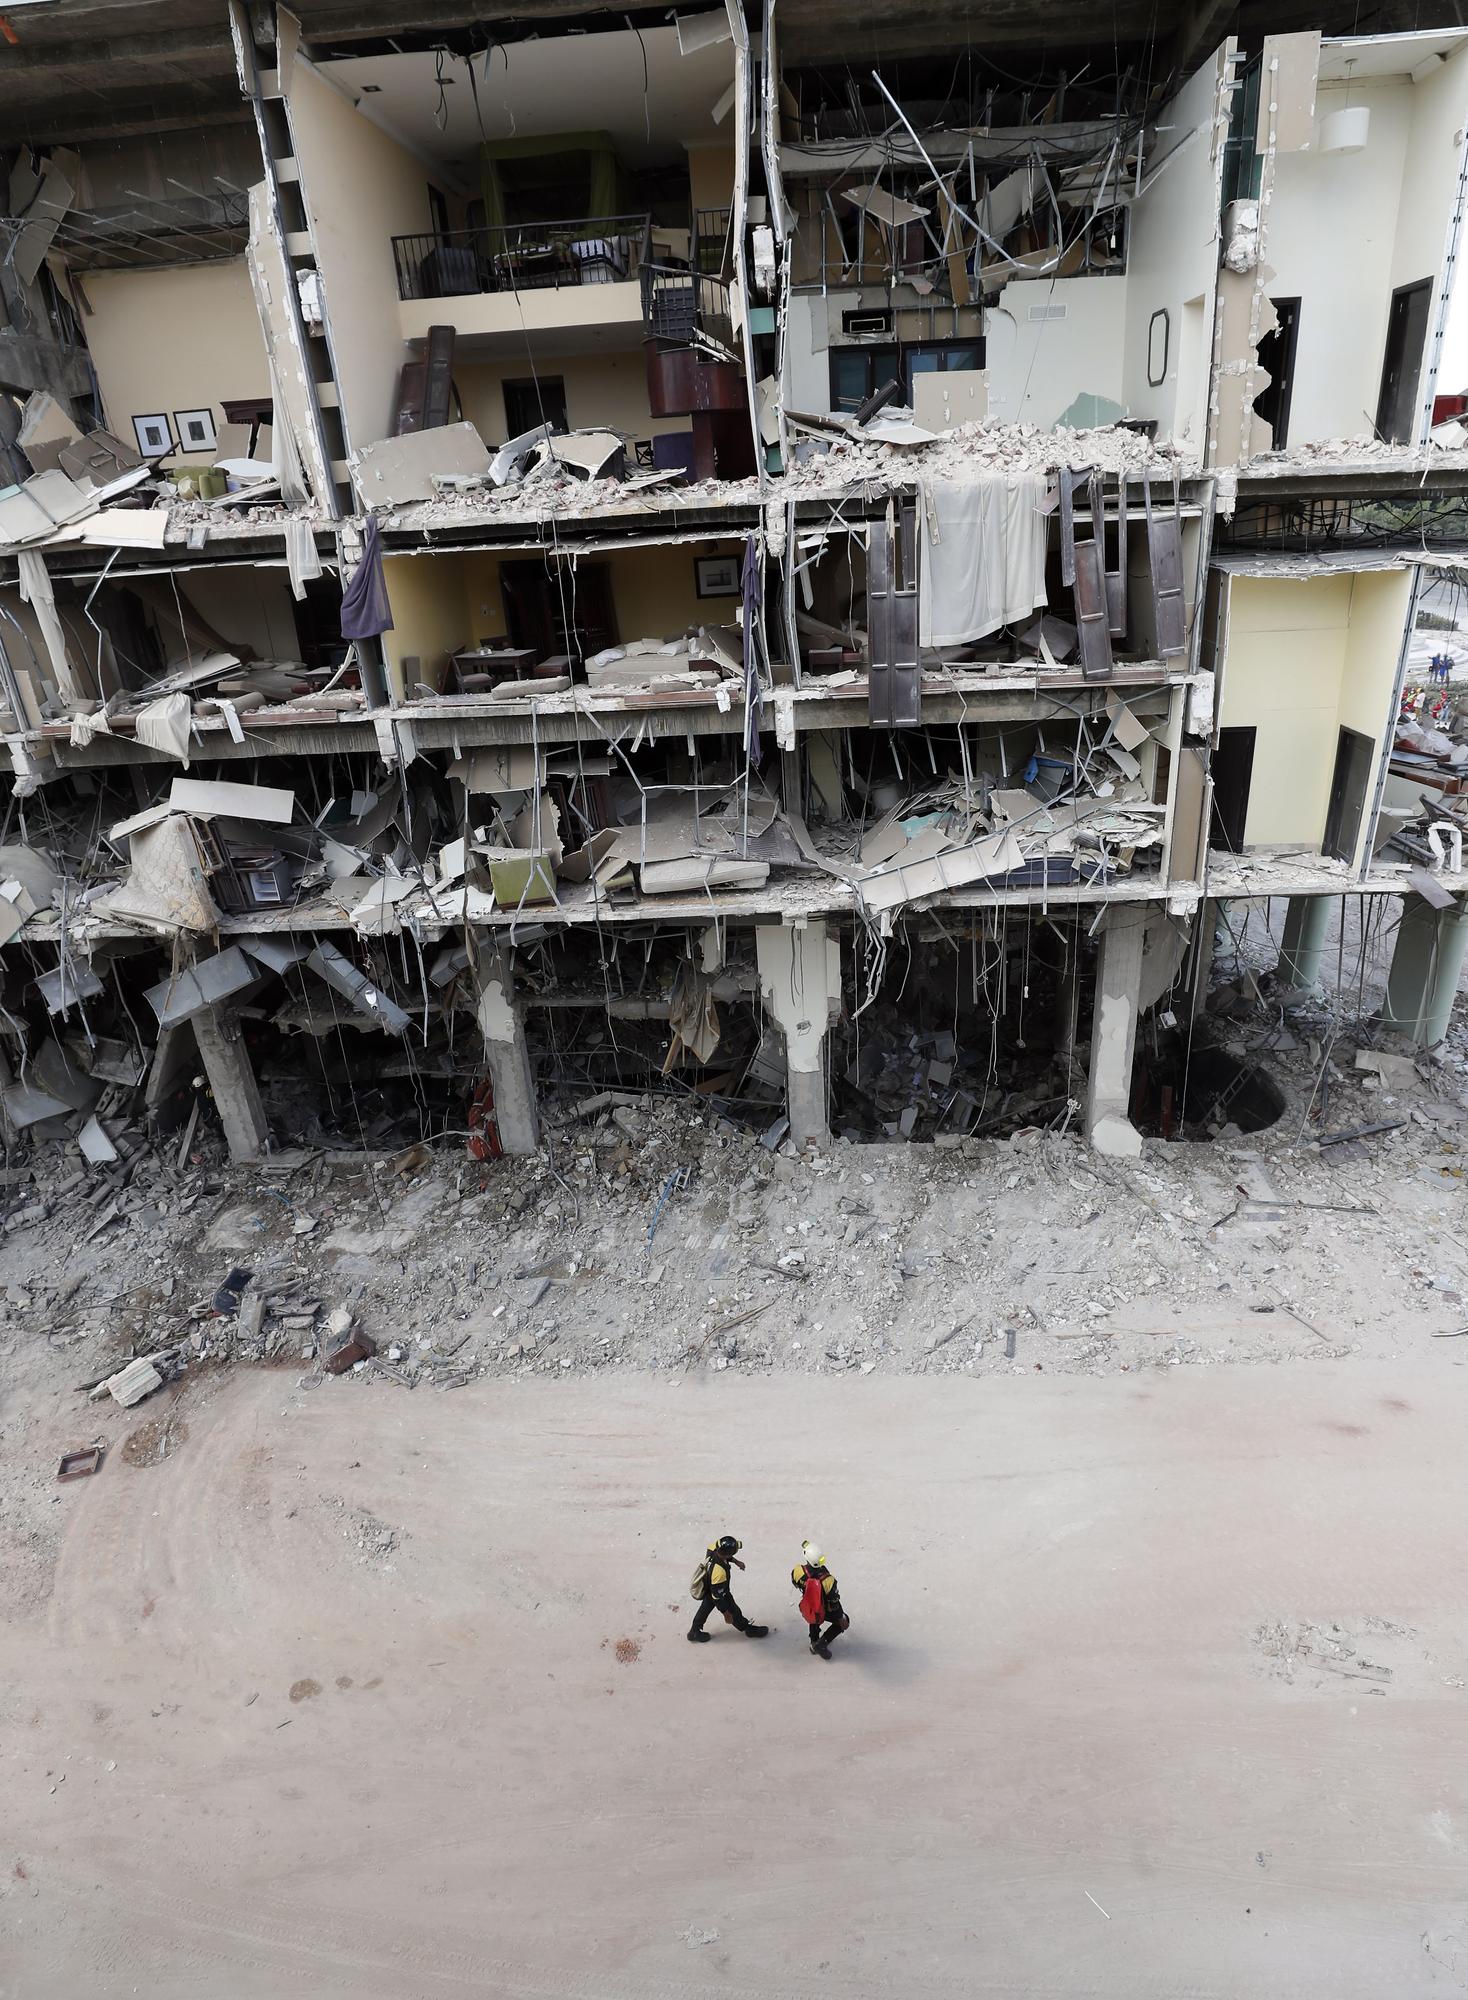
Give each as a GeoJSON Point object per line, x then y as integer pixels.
{"type": "Point", "coordinates": [154, 436]}
{"type": "Point", "coordinates": [716, 576]}
{"type": "Point", "coordinates": [196, 430]}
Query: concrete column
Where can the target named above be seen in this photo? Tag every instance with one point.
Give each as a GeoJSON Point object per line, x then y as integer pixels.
{"type": "Point", "coordinates": [1302, 952]}
{"type": "Point", "coordinates": [1426, 965]}
{"type": "Point", "coordinates": [502, 1023]}
{"type": "Point", "coordinates": [1067, 995]}
{"type": "Point", "coordinates": [1205, 949]}
{"type": "Point", "coordinates": [800, 981]}
{"type": "Point", "coordinates": [1114, 1033]}
{"type": "Point", "coordinates": [232, 1082]}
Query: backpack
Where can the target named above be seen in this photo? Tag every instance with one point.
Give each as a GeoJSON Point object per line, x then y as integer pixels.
{"type": "Point", "coordinates": [812, 1600]}
{"type": "Point", "coordinates": [699, 1586]}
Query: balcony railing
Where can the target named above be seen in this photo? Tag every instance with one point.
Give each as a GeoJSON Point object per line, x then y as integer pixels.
{"type": "Point", "coordinates": [520, 257]}
{"type": "Point", "coordinates": [678, 304]}
{"type": "Point", "coordinates": [710, 240]}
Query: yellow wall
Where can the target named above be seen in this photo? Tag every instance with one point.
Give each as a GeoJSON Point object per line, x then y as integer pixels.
{"type": "Point", "coordinates": [443, 602]}
{"type": "Point", "coordinates": [655, 595]}
{"type": "Point", "coordinates": [184, 338]}
{"type": "Point", "coordinates": [1305, 658]}
{"type": "Point", "coordinates": [429, 614]}
{"type": "Point", "coordinates": [711, 176]}
{"type": "Point", "coordinates": [361, 189]}
{"type": "Point", "coordinates": [603, 391]}
{"type": "Point", "coordinates": [1373, 646]}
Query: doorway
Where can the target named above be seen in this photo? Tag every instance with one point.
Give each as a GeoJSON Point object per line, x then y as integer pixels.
{"type": "Point", "coordinates": [561, 610]}
{"type": "Point", "coordinates": [1354, 757]}
{"type": "Point", "coordinates": [1401, 369]}
{"type": "Point", "coordinates": [1277, 359]}
{"type": "Point", "coordinates": [1233, 769]}
{"type": "Point", "coordinates": [528, 405]}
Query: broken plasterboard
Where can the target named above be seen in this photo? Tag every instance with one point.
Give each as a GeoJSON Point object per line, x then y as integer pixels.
{"type": "Point", "coordinates": [594, 454]}
{"type": "Point", "coordinates": [888, 209]}
{"type": "Point", "coordinates": [267, 803]}
{"type": "Point", "coordinates": [510, 460]}
{"type": "Point", "coordinates": [904, 882]}
{"type": "Point", "coordinates": [42, 199]}
{"type": "Point", "coordinates": [67, 986]}
{"type": "Point", "coordinates": [1126, 728]}
{"type": "Point", "coordinates": [127, 528]}
{"type": "Point", "coordinates": [701, 871]}
{"type": "Point", "coordinates": [96, 1147]}
{"type": "Point", "coordinates": [370, 1001]}
{"type": "Point", "coordinates": [35, 872]}
{"type": "Point", "coordinates": [395, 471]}
{"type": "Point", "coordinates": [503, 767]}
{"type": "Point", "coordinates": [373, 915]}
{"type": "Point", "coordinates": [196, 988]}
{"type": "Point", "coordinates": [45, 430]}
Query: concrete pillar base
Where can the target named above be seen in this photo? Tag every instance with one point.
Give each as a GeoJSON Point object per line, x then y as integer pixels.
{"type": "Point", "coordinates": [1067, 997]}
{"type": "Point", "coordinates": [232, 1082]}
{"type": "Point", "coordinates": [800, 983]}
{"type": "Point", "coordinates": [1302, 951]}
{"type": "Point", "coordinates": [1426, 964]}
{"type": "Point", "coordinates": [1205, 947]}
{"type": "Point", "coordinates": [506, 1053]}
{"type": "Point", "coordinates": [1116, 1137]}
{"type": "Point", "coordinates": [1114, 1033]}
{"type": "Point", "coordinates": [805, 1105]}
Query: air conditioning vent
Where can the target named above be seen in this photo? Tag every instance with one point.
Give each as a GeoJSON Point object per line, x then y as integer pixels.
{"type": "Point", "coordinates": [1047, 312]}
{"type": "Point", "coordinates": [866, 322]}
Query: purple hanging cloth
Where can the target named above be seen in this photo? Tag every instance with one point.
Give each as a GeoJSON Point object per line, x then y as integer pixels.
{"type": "Point", "coordinates": [752, 586]}
{"type": "Point", "coordinates": [365, 609]}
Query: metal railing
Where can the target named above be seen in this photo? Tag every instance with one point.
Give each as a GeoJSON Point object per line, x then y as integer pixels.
{"type": "Point", "coordinates": [520, 257]}
{"type": "Point", "coordinates": [678, 303]}
{"type": "Point", "coordinates": [710, 240]}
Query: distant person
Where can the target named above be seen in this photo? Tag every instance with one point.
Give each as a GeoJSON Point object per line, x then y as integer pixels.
{"type": "Point", "coordinates": [820, 1599]}
{"type": "Point", "coordinates": [711, 1588]}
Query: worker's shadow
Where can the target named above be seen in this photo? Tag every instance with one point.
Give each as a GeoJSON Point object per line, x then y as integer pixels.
{"type": "Point", "coordinates": [883, 1660]}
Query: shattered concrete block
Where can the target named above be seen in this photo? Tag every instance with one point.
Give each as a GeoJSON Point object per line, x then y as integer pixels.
{"type": "Point", "coordinates": [131, 1384]}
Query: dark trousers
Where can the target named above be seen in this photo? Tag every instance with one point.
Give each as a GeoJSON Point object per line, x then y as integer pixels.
{"type": "Point", "coordinates": [725, 1603]}
{"type": "Point", "coordinates": [833, 1631]}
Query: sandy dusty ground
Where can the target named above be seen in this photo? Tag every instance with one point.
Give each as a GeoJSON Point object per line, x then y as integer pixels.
{"type": "Point", "coordinates": [334, 1700]}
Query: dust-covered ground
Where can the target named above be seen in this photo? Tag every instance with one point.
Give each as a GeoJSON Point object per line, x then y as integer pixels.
{"type": "Point", "coordinates": [374, 1683]}
{"type": "Point", "coordinates": [647, 1238]}
{"type": "Point", "coordinates": [1155, 1685]}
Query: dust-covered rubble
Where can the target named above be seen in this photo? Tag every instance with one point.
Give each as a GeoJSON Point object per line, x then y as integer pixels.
{"type": "Point", "coordinates": [663, 1237]}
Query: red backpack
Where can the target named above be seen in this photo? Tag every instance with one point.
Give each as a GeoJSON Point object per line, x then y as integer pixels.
{"type": "Point", "coordinates": [812, 1600]}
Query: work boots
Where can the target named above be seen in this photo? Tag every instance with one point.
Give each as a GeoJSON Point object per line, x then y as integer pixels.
{"type": "Point", "coordinates": [756, 1631]}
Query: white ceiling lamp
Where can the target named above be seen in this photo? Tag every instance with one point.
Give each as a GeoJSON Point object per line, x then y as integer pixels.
{"type": "Point", "coordinates": [1346, 130]}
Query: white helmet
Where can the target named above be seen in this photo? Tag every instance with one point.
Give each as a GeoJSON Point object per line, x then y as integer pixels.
{"type": "Point", "coordinates": [813, 1555]}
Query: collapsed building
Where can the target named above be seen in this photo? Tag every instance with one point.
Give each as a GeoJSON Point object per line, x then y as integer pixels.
{"type": "Point", "coordinates": [584, 554]}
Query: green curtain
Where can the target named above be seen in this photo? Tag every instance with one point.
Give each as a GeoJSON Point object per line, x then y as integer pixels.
{"type": "Point", "coordinates": [604, 170]}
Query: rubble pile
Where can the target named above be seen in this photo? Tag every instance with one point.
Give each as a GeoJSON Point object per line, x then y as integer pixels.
{"type": "Point", "coordinates": [836, 458]}
{"type": "Point", "coordinates": [653, 1233]}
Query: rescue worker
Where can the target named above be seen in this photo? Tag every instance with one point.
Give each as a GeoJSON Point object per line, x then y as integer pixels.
{"type": "Point", "coordinates": [820, 1599]}
{"type": "Point", "coordinates": [711, 1588]}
